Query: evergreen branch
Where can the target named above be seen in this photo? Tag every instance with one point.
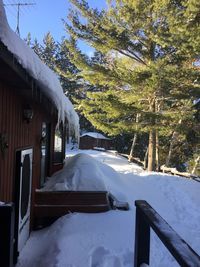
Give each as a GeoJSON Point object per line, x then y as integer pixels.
{"type": "Point", "coordinates": [134, 57]}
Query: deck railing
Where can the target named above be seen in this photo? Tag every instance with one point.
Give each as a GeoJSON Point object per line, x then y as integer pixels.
{"type": "Point", "coordinates": [146, 218]}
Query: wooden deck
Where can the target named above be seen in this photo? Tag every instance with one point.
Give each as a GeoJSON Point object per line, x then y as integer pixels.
{"type": "Point", "coordinates": [50, 205]}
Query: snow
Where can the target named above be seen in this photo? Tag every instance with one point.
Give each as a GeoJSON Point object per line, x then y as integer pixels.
{"type": "Point", "coordinates": [95, 135]}
{"type": "Point", "coordinates": [46, 78]}
{"type": "Point", "coordinates": [75, 176]}
{"type": "Point", "coordinates": [195, 102]}
{"type": "Point", "coordinates": [99, 148]}
{"type": "Point", "coordinates": [107, 239]}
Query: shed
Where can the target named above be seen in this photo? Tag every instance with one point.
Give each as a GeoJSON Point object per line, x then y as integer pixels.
{"type": "Point", "coordinates": [34, 115]}
{"type": "Point", "coordinates": [90, 140]}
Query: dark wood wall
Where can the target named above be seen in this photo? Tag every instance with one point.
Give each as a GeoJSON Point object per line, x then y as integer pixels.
{"type": "Point", "coordinates": [87, 142]}
{"type": "Point", "coordinates": [18, 135]}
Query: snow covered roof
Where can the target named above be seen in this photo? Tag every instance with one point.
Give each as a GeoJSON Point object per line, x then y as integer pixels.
{"type": "Point", "coordinates": [95, 135]}
{"type": "Point", "coordinates": [197, 101]}
{"type": "Point", "coordinates": [46, 79]}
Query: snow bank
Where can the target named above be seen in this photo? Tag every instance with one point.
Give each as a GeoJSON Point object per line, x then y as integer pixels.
{"type": "Point", "coordinates": [82, 240]}
{"type": "Point", "coordinates": [46, 78]}
{"type": "Point", "coordinates": [80, 172]}
{"type": "Point", "coordinates": [85, 173]}
{"type": "Point", "coordinates": [107, 239]}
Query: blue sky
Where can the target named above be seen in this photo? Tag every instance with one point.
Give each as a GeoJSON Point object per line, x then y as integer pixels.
{"type": "Point", "coordinates": [45, 16]}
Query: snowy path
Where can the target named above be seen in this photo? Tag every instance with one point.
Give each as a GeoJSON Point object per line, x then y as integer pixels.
{"type": "Point", "coordinates": [107, 239]}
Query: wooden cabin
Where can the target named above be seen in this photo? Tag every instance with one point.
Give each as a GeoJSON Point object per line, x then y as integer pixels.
{"type": "Point", "coordinates": [92, 140]}
{"type": "Point", "coordinates": [31, 148]}
{"type": "Point", "coordinates": [34, 116]}
{"type": "Point", "coordinates": [32, 142]}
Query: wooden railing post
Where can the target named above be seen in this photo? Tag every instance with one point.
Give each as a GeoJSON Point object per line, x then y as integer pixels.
{"type": "Point", "coordinates": [142, 240]}
{"type": "Point", "coordinates": [146, 218]}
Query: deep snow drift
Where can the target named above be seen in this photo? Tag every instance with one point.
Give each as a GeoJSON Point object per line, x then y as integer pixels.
{"type": "Point", "coordinates": [75, 176]}
{"type": "Point", "coordinates": [107, 239]}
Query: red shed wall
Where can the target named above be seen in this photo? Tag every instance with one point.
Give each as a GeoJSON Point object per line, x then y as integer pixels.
{"type": "Point", "coordinates": [19, 135]}
{"type": "Point", "coordinates": [87, 142]}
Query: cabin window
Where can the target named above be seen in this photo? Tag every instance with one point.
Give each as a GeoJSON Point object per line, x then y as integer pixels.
{"type": "Point", "coordinates": [59, 145]}
{"type": "Point", "coordinates": [45, 151]}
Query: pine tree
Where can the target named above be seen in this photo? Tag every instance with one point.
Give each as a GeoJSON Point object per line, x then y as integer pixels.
{"type": "Point", "coordinates": [147, 70]}
{"type": "Point", "coordinates": [56, 55]}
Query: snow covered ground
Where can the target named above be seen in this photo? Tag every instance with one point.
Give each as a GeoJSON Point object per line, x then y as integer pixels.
{"type": "Point", "coordinates": [107, 239]}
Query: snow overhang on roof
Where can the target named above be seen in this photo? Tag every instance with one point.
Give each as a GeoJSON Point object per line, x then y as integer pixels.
{"type": "Point", "coordinates": [95, 135]}
{"type": "Point", "coordinates": [196, 102]}
{"type": "Point", "coordinates": [46, 79]}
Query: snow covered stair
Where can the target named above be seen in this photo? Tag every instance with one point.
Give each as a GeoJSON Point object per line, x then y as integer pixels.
{"type": "Point", "coordinates": [116, 204]}
{"type": "Point", "coordinates": [75, 189]}
{"type": "Point", "coordinates": [50, 205]}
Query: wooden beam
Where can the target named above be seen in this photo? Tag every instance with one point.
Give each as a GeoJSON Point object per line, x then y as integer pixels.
{"type": "Point", "coordinates": [49, 211]}
{"type": "Point", "coordinates": [179, 249]}
{"type": "Point", "coordinates": [50, 205]}
{"type": "Point", "coordinates": [174, 171]}
{"type": "Point", "coordinates": [142, 240]}
{"type": "Point", "coordinates": [71, 198]}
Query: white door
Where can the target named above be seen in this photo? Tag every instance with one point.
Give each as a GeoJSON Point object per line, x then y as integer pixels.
{"type": "Point", "coordinates": [25, 197]}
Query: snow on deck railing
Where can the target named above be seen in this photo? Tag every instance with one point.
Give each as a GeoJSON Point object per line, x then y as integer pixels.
{"type": "Point", "coordinates": [174, 171]}
{"type": "Point", "coordinates": [147, 217]}
{"type": "Point", "coordinates": [46, 79]}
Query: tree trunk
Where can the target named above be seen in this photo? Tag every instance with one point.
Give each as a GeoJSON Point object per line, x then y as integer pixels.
{"type": "Point", "coordinates": [197, 161]}
{"type": "Point", "coordinates": [146, 159]}
{"type": "Point", "coordinates": [157, 109]}
{"type": "Point", "coordinates": [152, 139]}
{"type": "Point", "coordinates": [133, 147]}
{"type": "Point", "coordinates": [172, 143]}
{"type": "Point", "coordinates": [134, 139]}
{"type": "Point", "coordinates": [171, 147]}
{"type": "Point", "coordinates": [152, 151]}
{"type": "Point", "coordinates": [157, 152]}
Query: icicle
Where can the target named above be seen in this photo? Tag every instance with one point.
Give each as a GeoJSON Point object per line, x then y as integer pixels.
{"type": "Point", "coordinates": [45, 79]}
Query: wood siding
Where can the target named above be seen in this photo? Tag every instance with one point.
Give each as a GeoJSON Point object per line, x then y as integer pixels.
{"type": "Point", "coordinates": [87, 142]}
{"type": "Point", "coordinates": [19, 135]}
{"type": "Point", "coordinates": [51, 205]}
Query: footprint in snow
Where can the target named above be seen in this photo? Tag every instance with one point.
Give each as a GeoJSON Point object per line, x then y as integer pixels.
{"type": "Point", "coordinates": [101, 257]}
